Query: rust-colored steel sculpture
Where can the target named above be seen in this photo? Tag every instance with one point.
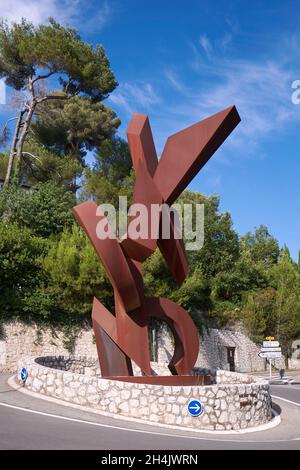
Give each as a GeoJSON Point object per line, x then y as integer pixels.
{"type": "Point", "coordinates": [123, 337]}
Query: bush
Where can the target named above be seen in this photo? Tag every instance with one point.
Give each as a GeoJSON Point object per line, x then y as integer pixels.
{"type": "Point", "coordinates": [46, 208]}
{"type": "Point", "coordinates": [75, 274]}
{"type": "Point", "coordinates": [21, 270]}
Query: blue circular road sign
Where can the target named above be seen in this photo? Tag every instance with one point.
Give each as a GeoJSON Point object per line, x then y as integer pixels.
{"type": "Point", "coordinates": [23, 374]}
{"type": "Point", "coordinates": [195, 408]}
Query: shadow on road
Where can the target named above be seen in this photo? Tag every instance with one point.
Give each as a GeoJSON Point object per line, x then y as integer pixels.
{"type": "Point", "coordinates": [276, 408]}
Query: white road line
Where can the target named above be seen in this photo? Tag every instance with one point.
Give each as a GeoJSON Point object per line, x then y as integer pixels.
{"type": "Point", "coordinates": [285, 399]}
{"type": "Point", "coordinates": [81, 421]}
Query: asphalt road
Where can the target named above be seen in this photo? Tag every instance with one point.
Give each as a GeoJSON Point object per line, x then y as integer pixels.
{"type": "Point", "coordinates": [31, 423]}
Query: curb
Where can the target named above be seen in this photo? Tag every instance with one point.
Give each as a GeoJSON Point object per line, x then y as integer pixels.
{"type": "Point", "coordinates": [275, 421]}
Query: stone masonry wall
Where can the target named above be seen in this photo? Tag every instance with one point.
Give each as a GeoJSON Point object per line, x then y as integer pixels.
{"type": "Point", "coordinates": [213, 350]}
{"type": "Point", "coordinates": [235, 402]}
{"type": "Point", "coordinates": [19, 339]}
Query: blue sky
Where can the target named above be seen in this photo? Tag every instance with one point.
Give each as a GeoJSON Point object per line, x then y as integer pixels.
{"type": "Point", "coordinates": [180, 61]}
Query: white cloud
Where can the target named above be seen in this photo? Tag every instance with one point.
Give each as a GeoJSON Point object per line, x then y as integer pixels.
{"type": "Point", "coordinates": [136, 96]}
{"type": "Point", "coordinates": [177, 84]}
{"type": "Point", "coordinates": [121, 101]}
{"type": "Point", "coordinates": [65, 11]}
{"type": "Point", "coordinates": [259, 87]}
{"type": "Point", "coordinates": [261, 92]}
{"type": "Point", "coordinates": [206, 45]}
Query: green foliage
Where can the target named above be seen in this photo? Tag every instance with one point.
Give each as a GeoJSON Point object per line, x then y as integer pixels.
{"type": "Point", "coordinates": [245, 276]}
{"type": "Point", "coordinates": [75, 274]}
{"type": "Point", "coordinates": [44, 165]}
{"type": "Point", "coordinates": [46, 209]}
{"type": "Point", "coordinates": [157, 278]}
{"type": "Point", "coordinates": [74, 126]}
{"type": "Point", "coordinates": [194, 292]}
{"type": "Point", "coordinates": [286, 280]}
{"type": "Point", "coordinates": [258, 313]}
{"type": "Point", "coordinates": [3, 165]}
{"type": "Point", "coordinates": [112, 175]}
{"type": "Point", "coordinates": [275, 310]}
{"type": "Point", "coordinates": [221, 248]}
{"type": "Point", "coordinates": [21, 271]}
{"type": "Point", "coordinates": [52, 49]}
{"type": "Point", "coordinates": [262, 247]}
{"type": "Point", "coordinates": [61, 135]}
{"type": "Point", "coordinates": [28, 56]}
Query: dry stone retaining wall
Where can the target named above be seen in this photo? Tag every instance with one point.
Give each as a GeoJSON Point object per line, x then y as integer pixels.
{"type": "Point", "coordinates": [213, 352]}
{"type": "Point", "coordinates": [18, 339]}
{"type": "Point", "coordinates": [234, 402]}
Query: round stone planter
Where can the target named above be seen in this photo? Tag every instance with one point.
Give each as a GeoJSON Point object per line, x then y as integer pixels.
{"type": "Point", "coordinates": [234, 402]}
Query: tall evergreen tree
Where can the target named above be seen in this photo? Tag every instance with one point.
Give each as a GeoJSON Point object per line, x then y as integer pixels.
{"type": "Point", "coordinates": [29, 55]}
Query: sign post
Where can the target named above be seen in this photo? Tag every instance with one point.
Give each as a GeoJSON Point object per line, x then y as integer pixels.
{"type": "Point", "coordinates": [270, 350]}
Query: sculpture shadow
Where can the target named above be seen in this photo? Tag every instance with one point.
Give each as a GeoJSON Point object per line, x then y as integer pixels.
{"type": "Point", "coordinates": [276, 408]}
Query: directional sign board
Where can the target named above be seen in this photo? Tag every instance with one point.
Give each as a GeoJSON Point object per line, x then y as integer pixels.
{"type": "Point", "coordinates": [195, 408]}
{"type": "Point", "coordinates": [270, 354]}
{"type": "Point", "coordinates": [270, 344]}
{"type": "Point", "coordinates": [270, 349]}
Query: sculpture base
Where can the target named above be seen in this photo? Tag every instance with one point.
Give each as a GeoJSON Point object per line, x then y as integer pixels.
{"type": "Point", "coordinates": [233, 402]}
{"type": "Point", "coordinates": [176, 380]}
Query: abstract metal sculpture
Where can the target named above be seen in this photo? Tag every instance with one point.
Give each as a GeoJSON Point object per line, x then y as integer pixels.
{"type": "Point", "coordinates": [123, 337]}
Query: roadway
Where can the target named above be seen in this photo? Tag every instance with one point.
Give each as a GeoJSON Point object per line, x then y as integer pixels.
{"type": "Point", "coordinates": [32, 423]}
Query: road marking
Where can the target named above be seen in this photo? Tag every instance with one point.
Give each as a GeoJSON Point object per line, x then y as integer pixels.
{"type": "Point", "coordinates": [81, 421]}
{"type": "Point", "coordinates": [285, 399]}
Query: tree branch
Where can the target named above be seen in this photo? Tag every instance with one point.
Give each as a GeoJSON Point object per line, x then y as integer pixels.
{"type": "Point", "coordinates": [33, 156]}
{"type": "Point", "coordinates": [6, 125]}
{"type": "Point", "coordinates": [30, 87]}
{"type": "Point", "coordinates": [38, 159]}
{"type": "Point", "coordinates": [42, 77]}
{"type": "Point", "coordinates": [57, 97]}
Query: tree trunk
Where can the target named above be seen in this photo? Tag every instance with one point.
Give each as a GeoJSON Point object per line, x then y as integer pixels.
{"type": "Point", "coordinates": [21, 140]}
{"type": "Point", "coordinates": [13, 149]}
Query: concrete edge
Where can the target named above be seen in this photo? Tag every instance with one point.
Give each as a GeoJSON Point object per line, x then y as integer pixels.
{"type": "Point", "coordinates": [275, 421]}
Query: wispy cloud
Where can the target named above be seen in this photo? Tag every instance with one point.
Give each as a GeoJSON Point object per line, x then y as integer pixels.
{"type": "Point", "coordinates": [225, 40]}
{"type": "Point", "coordinates": [121, 101]}
{"type": "Point", "coordinates": [66, 11]}
{"type": "Point", "coordinates": [206, 45]}
{"type": "Point", "coordinates": [260, 89]}
{"type": "Point", "coordinates": [174, 81]}
{"type": "Point", "coordinates": [138, 96]}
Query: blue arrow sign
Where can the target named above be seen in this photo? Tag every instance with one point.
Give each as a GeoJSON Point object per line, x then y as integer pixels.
{"type": "Point", "coordinates": [23, 374]}
{"type": "Point", "coordinates": [195, 408]}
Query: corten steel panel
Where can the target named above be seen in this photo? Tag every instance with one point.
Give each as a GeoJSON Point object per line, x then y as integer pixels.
{"type": "Point", "coordinates": [113, 361]}
{"type": "Point", "coordinates": [145, 193]}
{"type": "Point", "coordinates": [131, 341]}
{"type": "Point", "coordinates": [141, 145]}
{"type": "Point", "coordinates": [184, 331]}
{"type": "Point", "coordinates": [174, 253]}
{"type": "Point", "coordinates": [145, 162]}
{"type": "Point", "coordinates": [181, 324]}
{"type": "Point", "coordinates": [187, 151]}
{"type": "Point", "coordinates": [110, 254]}
{"type": "Point", "coordinates": [123, 337]}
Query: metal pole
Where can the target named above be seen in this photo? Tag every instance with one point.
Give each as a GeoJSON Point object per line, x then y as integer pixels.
{"type": "Point", "coordinates": [270, 362]}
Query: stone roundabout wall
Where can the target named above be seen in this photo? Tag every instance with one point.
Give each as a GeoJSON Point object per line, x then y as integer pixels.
{"type": "Point", "coordinates": [235, 402]}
